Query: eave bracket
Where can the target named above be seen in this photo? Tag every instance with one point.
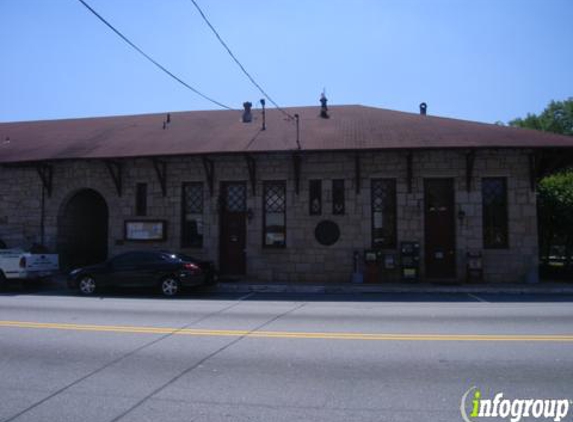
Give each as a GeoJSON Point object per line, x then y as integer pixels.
{"type": "Point", "coordinates": [296, 161]}
{"type": "Point", "coordinates": [470, 160]}
{"type": "Point", "coordinates": [161, 172]}
{"type": "Point", "coordinates": [46, 173]}
{"type": "Point", "coordinates": [409, 171]}
{"type": "Point", "coordinates": [115, 169]}
{"type": "Point", "coordinates": [252, 167]}
{"type": "Point", "coordinates": [209, 167]}
{"type": "Point", "coordinates": [357, 173]}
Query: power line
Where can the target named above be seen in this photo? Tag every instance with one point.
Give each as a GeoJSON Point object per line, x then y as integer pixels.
{"type": "Point", "coordinates": [237, 60]}
{"type": "Point", "coordinates": [140, 51]}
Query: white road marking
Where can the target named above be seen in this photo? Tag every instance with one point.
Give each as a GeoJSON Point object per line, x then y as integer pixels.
{"type": "Point", "coordinates": [479, 299]}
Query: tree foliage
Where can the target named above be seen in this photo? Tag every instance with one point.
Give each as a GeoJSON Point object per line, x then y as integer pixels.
{"type": "Point", "coordinates": [557, 118]}
{"type": "Point", "coordinates": [555, 192]}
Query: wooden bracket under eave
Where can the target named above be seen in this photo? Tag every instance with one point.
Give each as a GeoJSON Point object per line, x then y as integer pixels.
{"type": "Point", "coordinates": [252, 168]}
{"type": "Point", "coordinates": [209, 167]}
{"type": "Point", "coordinates": [115, 169]}
{"type": "Point", "coordinates": [46, 173]}
{"type": "Point", "coordinates": [533, 170]}
{"type": "Point", "coordinates": [357, 173]}
{"type": "Point", "coordinates": [409, 170]}
{"type": "Point", "coordinates": [161, 172]}
{"type": "Point", "coordinates": [296, 162]}
{"type": "Point", "coordinates": [470, 160]}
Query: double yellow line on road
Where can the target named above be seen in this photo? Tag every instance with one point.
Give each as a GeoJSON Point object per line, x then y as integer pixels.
{"type": "Point", "coordinates": [290, 335]}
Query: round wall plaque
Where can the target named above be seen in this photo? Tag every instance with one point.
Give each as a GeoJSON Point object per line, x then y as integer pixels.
{"type": "Point", "coordinates": [327, 233]}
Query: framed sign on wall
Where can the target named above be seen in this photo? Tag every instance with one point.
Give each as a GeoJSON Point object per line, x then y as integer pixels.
{"type": "Point", "coordinates": [145, 230]}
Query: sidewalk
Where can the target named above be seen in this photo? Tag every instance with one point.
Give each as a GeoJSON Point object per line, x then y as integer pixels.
{"type": "Point", "coordinates": [543, 287]}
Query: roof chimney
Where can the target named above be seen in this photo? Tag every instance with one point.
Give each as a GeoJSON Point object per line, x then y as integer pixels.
{"type": "Point", "coordinates": [423, 108]}
{"type": "Point", "coordinates": [323, 107]}
{"type": "Point", "coordinates": [247, 116]}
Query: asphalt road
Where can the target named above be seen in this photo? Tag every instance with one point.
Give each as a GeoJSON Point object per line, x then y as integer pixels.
{"type": "Point", "coordinates": [134, 357]}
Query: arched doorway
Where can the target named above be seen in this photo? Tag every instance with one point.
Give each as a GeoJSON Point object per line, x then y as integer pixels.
{"type": "Point", "coordinates": [83, 229]}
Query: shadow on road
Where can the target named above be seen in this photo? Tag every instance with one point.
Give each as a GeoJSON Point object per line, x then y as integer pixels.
{"type": "Point", "coordinates": [59, 288]}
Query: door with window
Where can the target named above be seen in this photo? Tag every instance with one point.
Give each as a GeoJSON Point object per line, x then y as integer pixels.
{"type": "Point", "coordinates": [440, 230]}
{"type": "Point", "coordinates": [233, 224]}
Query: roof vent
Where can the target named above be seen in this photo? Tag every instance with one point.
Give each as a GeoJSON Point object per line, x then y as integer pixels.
{"type": "Point", "coordinates": [167, 121]}
{"type": "Point", "coordinates": [247, 116]}
{"type": "Point", "coordinates": [264, 127]}
{"type": "Point", "coordinates": [423, 108]}
{"type": "Point", "coordinates": [323, 107]}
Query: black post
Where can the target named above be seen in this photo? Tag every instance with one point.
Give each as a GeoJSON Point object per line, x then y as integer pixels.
{"type": "Point", "coordinates": [264, 121]}
{"type": "Point", "coordinates": [297, 131]}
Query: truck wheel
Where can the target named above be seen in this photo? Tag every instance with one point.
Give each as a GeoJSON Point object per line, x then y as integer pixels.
{"type": "Point", "coordinates": [87, 285]}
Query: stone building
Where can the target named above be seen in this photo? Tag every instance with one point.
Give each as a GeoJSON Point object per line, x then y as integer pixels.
{"type": "Point", "coordinates": [283, 196]}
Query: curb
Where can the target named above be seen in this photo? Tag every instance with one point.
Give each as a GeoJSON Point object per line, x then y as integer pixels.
{"type": "Point", "coordinates": [240, 287]}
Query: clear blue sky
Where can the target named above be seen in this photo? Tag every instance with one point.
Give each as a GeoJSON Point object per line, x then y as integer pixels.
{"type": "Point", "coordinates": [484, 60]}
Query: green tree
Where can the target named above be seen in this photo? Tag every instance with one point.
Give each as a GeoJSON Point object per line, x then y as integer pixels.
{"type": "Point", "coordinates": [555, 195]}
{"type": "Point", "coordinates": [555, 192]}
{"type": "Point", "coordinates": [557, 117]}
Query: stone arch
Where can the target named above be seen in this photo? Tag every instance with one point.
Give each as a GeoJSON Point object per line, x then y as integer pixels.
{"type": "Point", "coordinates": [83, 225]}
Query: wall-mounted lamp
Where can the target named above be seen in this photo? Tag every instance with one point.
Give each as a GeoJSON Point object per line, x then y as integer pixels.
{"type": "Point", "coordinates": [250, 214]}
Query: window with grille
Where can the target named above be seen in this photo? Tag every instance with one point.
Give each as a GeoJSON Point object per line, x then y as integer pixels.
{"type": "Point", "coordinates": [494, 212]}
{"type": "Point", "coordinates": [141, 199]}
{"type": "Point", "coordinates": [338, 197]}
{"type": "Point", "coordinates": [274, 222]}
{"type": "Point", "coordinates": [315, 197]}
{"type": "Point", "coordinates": [236, 197]}
{"type": "Point", "coordinates": [192, 213]}
{"type": "Point", "coordinates": [383, 213]}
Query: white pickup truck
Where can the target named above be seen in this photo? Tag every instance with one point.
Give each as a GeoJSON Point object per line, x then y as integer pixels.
{"type": "Point", "coordinates": [16, 264]}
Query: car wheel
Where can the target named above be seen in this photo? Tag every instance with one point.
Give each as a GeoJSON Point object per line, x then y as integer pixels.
{"type": "Point", "coordinates": [170, 286]}
{"type": "Point", "coordinates": [87, 285]}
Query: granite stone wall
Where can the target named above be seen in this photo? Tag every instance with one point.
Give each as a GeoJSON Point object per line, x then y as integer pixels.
{"type": "Point", "coordinates": [303, 259]}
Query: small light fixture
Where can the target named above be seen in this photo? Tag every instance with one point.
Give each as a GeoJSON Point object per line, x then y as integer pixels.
{"type": "Point", "coordinates": [250, 214]}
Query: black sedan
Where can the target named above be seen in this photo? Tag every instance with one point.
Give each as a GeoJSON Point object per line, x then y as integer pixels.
{"type": "Point", "coordinates": [167, 271]}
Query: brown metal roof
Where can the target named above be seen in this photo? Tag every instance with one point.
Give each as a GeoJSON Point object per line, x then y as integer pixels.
{"type": "Point", "coordinates": [203, 132]}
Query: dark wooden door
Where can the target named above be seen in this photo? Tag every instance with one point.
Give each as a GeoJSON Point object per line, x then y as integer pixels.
{"type": "Point", "coordinates": [233, 207]}
{"type": "Point", "coordinates": [440, 229]}
{"type": "Point", "coordinates": [83, 230]}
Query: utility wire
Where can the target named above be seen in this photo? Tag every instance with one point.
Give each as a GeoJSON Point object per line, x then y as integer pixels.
{"type": "Point", "coordinates": [140, 51]}
{"type": "Point", "coordinates": [237, 60]}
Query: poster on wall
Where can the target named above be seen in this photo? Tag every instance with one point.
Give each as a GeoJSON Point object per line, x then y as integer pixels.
{"type": "Point", "coordinates": [148, 230]}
